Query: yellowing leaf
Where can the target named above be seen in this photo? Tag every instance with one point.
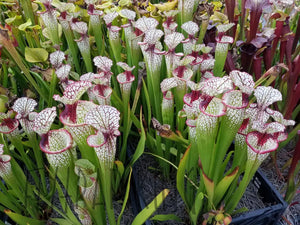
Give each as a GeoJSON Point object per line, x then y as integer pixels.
{"type": "Point", "coordinates": [12, 19]}
{"type": "Point", "coordinates": [22, 220]}
{"type": "Point", "coordinates": [209, 186]}
{"type": "Point", "coordinates": [123, 3]}
{"type": "Point", "coordinates": [79, 2]}
{"type": "Point", "coordinates": [151, 8]}
{"type": "Point", "coordinates": [120, 167]}
{"type": "Point", "coordinates": [217, 5]}
{"type": "Point", "coordinates": [167, 6]}
{"type": "Point", "coordinates": [218, 17]}
{"type": "Point", "coordinates": [25, 25]}
{"type": "Point", "coordinates": [180, 183]}
{"type": "Point", "coordinates": [3, 100]}
{"type": "Point", "coordinates": [35, 55]}
{"type": "Point", "coordinates": [151, 208]}
{"type": "Point", "coordinates": [35, 6]}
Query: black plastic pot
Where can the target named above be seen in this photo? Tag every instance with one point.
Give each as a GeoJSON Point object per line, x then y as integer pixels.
{"type": "Point", "coordinates": [136, 198]}
{"type": "Point", "coordinates": [265, 216]}
{"type": "Point", "coordinates": [3, 217]}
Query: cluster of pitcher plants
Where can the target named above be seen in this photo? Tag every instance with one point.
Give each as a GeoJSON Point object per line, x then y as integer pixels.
{"type": "Point", "coordinates": [210, 88]}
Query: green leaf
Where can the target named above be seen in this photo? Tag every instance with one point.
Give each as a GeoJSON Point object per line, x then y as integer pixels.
{"type": "Point", "coordinates": [181, 174]}
{"type": "Point", "coordinates": [117, 102]}
{"type": "Point", "coordinates": [151, 208]}
{"type": "Point", "coordinates": [125, 198]}
{"type": "Point", "coordinates": [3, 100]}
{"type": "Point", "coordinates": [25, 25]}
{"type": "Point", "coordinates": [85, 166]}
{"type": "Point", "coordinates": [1, 223]}
{"type": "Point", "coordinates": [209, 186]}
{"type": "Point", "coordinates": [47, 33]}
{"type": "Point", "coordinates": [85, 170]}
{"type": "Point", "coordinates": [55, 208]}
{"type": "Point", "coordinates": [74, 75]}
{"type": "Point", "coordinates": [61, 221]}
{"type": "Point", "coordinates": [52, 88]}
{"type": "Point", "coordinates": [224, 164]}
{"type": "Point", "coordinates": [12, 19]}
{"type": "Point", "coordinates": [135, 120]}
{"type": "Point", "coordinates": [141, 145]}
{"type": "Point", "coordinates": [166, 217]}
{"type": "Point", "coordinates": [223, 185]}
{"type": "Point", "coordinates": [147, 102]}
{"type": "Point", "coordinates": [197, 207]}
{"type": "Point", "coordinates": [124, 3]}
{"type": "Point", "coordinates": [23, 219]}
{"type": "Point", "coordinates": [63, 201]}
{"type": "Point", "coordinates": [118, 174]}
{"type": "Point", "coordinates": [8, 201]}
{"type": "Point", "coordinates": [34, 55]}
{"type": "Point", "coordinates": [120, 167]}
{"type": "Point", "coordinates": [67, 7]}
{"type": "Point", "coordinates": [44, 87]}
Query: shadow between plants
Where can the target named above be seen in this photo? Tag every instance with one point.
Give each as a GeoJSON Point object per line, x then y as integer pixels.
{"type": "Point", "coordinates": [151, 182]}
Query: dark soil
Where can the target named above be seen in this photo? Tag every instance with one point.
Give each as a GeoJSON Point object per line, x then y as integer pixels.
{"type": "Point", "coordinates": [151, 183]}
{"type": "Point", "coordinates": [292, 213]}
{"type": "Point", "coordinates": [127, 217]}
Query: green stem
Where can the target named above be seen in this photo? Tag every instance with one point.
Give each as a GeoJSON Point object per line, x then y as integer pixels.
{"type": "Point", "coordinates": [31, 42]}
{"type": "Point", "coordinates": [192, 165]}
{"type": "Point", "coordinates": [204, 25]}
{"type": "Point", "coordinates": [106, 175]}
{"type": "Point", "coordinates": [98, 212]}
{"type": "Point", "coordinates": [126, 124]}
{"type": "Point", "coordinates": [153, 82]}
{"type": "Point", "coordinates": [22, 189]}
{"type": "Point", "coordinates": [97, 30]}
{"type": "Point", "coordinates": [20, 38]}
{"type": "Point", "coordinates": [16, 57]}
{"type": "Point", "coordinates": [86, 55]}
{"type": "Point", "coordinates": [251, 168]}
{"type": "Point", "coordinates": [28, 11]}
{"type": "Point", "coordinates": [27, 161]}
{"type": "Point", "coordinates": [69, 179]}
{"type": "Point", "coordinates": [73, 48]}
{"type": "Point", "coordinates": [179, 94]}
{"type": "Point", "coordinates": [213, 168]}
{"type": "Point", "coordinates": [116, 49]}
{"type": "Point", "coordinates": [39, 160]}
{"type": "Point", "coordinates": [52, 88]}
{"type": "Point", "coordinates": [220, 57]}
{"type": "Point", "coordinates": [88, 153]}
{"type": "Point", "coordinates": [4, 75]}
{"type": "Point", "coordinates": [135, 59]}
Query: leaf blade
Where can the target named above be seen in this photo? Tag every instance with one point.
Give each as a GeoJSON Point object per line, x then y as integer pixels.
{"type": "Point", "coordinates": [151, 208]}
{"type": "Point", "coordinates": [34, 55]}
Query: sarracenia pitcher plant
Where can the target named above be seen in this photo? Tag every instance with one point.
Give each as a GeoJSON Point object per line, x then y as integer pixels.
{"type": "Point", "coordinates": [88, 68]}
{"type": "Point", "coordinates": [80, 149]}
{"type": "Point", "coordinates": [220, 110]}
